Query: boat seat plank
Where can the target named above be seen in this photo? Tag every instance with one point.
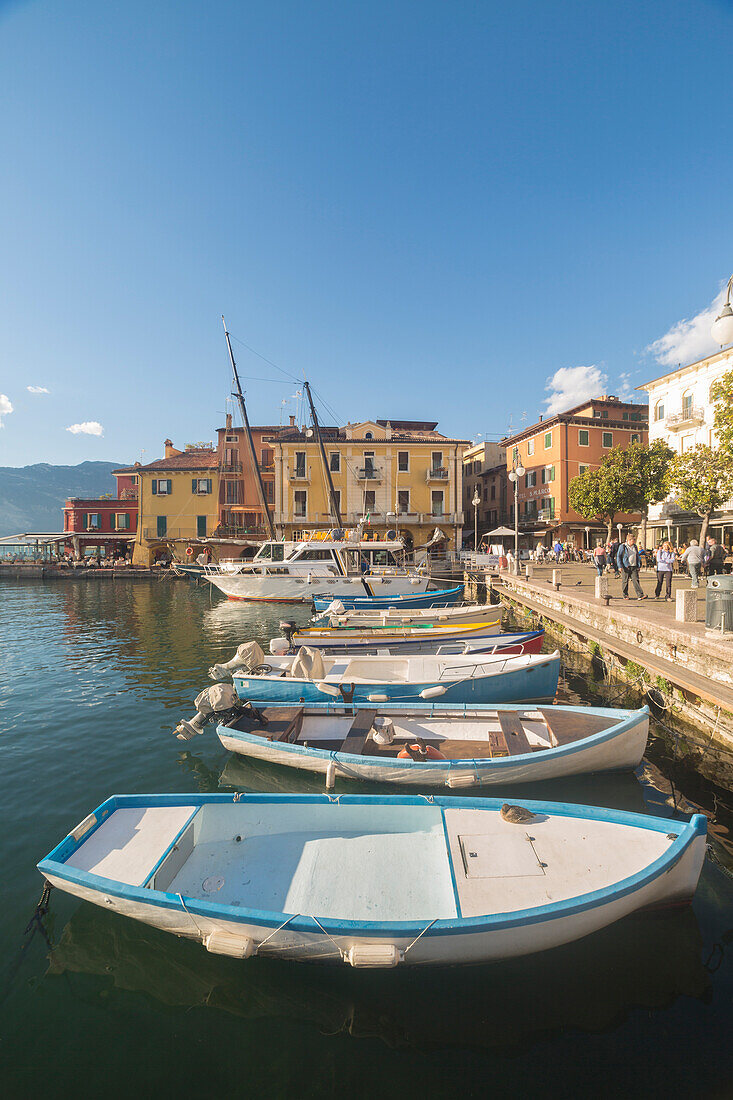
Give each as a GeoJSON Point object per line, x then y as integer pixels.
{"type": "Point", "coordinates": [513, 730]}
{"type": "Point", "coordinates": [283, 723]}
{"type": "Point", "coordinates": [565, 728]}
{"type": "Point", "coordinates": [360, 728]}
{"type": "Point", "coordinates": [127, 846]}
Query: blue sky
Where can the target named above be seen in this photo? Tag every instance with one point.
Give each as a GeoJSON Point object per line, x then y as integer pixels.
{"type": "Point", "coordinates": [430, 208]}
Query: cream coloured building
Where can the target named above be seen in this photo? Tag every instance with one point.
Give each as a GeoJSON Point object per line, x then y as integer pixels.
{"type": "Point", "coordinates": [682, 413]}
{"type": "Point", "coordinates": [399, 475]}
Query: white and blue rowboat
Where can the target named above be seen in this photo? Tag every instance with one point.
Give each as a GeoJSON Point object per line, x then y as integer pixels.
{"type": "Point", "coordinates": [337, 616]}
{"type": "Point", "coordinates": [444, 597]}
{"type": "Point", "coordinates": [374, 881]}
{"type": "Point", "coordinates": [423, 640]}
{"type": "Point", "coordinates": [456, 678]}
{"type": "Point", "coordinates": [439, 745]}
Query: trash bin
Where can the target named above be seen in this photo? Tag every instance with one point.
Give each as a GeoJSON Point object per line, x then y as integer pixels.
{"type": "Point", "coordinates": [719, 604]}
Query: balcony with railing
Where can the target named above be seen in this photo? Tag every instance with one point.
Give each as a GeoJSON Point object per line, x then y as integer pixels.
{"type": "Point", "coordinates": [688, 417]}
{"type": "Point", "coordinates": [437, 473]}
{"type": "Point", "coordinates": [368, 473]}
{"type": "Point", "coordinates": [301, 474]}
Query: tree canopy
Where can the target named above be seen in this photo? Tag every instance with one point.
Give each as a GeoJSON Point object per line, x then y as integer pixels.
{"type": "Point", "coordinates": [703, 481]}
{"type": "Point", "coordinates": [629, 479]}
{"type": "Point", "coordinates": [721, 392]}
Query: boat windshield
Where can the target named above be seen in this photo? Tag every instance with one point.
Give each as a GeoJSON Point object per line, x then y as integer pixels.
{"type": "Point", "coordinates": [270, 551]}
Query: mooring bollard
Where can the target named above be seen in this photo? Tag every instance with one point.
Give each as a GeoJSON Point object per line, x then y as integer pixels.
{"type": "Point", "coordinates": [601, 588]}
{"type": "Point", "coordinates": [528, 572]}
{"type": "Point", "coordinates": [686, 605]}
{"type": "Point", "coordinates": [556, 578]}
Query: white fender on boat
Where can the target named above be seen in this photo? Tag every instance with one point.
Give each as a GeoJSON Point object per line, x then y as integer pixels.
{"type": "Point", "coordinates": [224, 943]}
{"type": "Point", "coordinates": [374, 954]}
{"type": "Point", "coordinates": [432, 693]}
{"type": "Point", "coordinates": [329, 689]}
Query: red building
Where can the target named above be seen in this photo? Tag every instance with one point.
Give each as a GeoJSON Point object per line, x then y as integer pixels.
{"type": "Point", "coordinates": [104, 525]}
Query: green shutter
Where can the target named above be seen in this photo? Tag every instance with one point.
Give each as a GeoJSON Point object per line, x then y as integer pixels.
{"type": "Point", "coordinates": [155, 486]}
{"type": "Point", "coordinates": [84, 521]}
{"type": "Point", "coordinates": [170, 486]}
{"type": "Point", "coordinates": [193, 485]}
{"type": "Point", "coordinates": [111, 521]}
{"type": "Point", "coordinates": [208, 485]}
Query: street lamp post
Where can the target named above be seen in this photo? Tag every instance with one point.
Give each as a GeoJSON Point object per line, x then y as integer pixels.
{"type": "Point", "coordinates": [515, 473]}
{"type": "Point", "coordinates": [476, 501]}
{"type": "Point", "coordinates": [587, 538]}
{"type": "Point", "coordinates": [618, 528]}
{"type": "Point", "coordinates": [722, 330]}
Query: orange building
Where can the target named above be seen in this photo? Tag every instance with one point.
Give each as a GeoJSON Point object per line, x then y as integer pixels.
{"type": "Point", "coordinates": [556, 450]}
{"type": "Point", "coordinates": [240, 510]}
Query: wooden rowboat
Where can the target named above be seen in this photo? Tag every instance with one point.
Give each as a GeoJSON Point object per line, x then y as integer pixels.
{"type": "Point", "coordinates": [440, 745]}
{"type": "Point", "coordinates": [374, 881]}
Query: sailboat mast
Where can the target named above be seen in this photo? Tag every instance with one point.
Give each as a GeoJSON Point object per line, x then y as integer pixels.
{"type": "Point", "coordinates": [245, 420]}
{"type": "Point", "coordinates": [335, 511]}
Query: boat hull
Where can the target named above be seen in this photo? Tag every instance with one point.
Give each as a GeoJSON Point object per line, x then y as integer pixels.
{"type": "Point", "coordinates": [508, 645]}
{"type": "Point", "coordinates": [617, 748]}
{"type": "Point", "coordinates": [284, 588]}
{"type": "Point", "coordinates": [670, 878]}
{"type": "Point", "coordinates": [537, 682]}
{"type": "Point", "coordinates": [445, 597]}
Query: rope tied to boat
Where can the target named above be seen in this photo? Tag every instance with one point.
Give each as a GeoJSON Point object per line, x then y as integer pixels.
{"type": "Point", "coordinates": [276, 930]}
{"type": "Point", "coordinates": [190, 914]}
{"type": "Point", "coordinates": [425, 929]}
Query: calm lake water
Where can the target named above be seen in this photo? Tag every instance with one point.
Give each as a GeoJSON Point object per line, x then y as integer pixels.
{"type": "Point", "coordinates": [95, 674]}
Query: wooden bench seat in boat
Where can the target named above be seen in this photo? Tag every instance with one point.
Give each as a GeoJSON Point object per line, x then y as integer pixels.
{"type": "Point", "coordinates": [355, 739]}
{"type": "Point", "coordinates": [283, 723]}
{"type": "Point", "coordinates": [514, 735]}
{"type": "Point", "coordinates": [565, 728]}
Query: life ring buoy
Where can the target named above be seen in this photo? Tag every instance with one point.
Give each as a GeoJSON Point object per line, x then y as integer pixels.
{"type": "Point", "coordinates": [189, 551]}
{"type": "Point", "coordinates": [420, 752]}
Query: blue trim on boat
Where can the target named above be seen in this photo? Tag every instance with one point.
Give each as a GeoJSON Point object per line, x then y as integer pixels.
{"type": "Point", "coordinates": [685, 836]}
{"type": "Point", "coordinates": [454, 884]}
{"type": "Point", "coordinates": [444, 597]}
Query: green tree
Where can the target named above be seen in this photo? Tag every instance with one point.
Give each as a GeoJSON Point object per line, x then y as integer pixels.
{"type": "Point", "coordinates": [703, 481]}
{"type": "Point", "coordinates": [598, 494]}
{"type": "Point", "coordinates": [721, 392]}
{"type": "Point", "coordinates": [645, 472]}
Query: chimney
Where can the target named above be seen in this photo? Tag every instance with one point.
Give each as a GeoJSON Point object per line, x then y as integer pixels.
{"type": "Point", "coordinates": [292, 420]}
{"type": "Point", "coordinates": [229, 422]}
{"type": "Point", "coordinates": [170, 449]}
{"type": "Point", "coordinates": [541, 418]}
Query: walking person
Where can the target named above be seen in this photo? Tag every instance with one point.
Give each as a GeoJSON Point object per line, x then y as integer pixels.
{"type": "Point", "coordinates": [665, 563]}
{"type": "Point", "coordinates": [599, 558]}
{"type": "Point", "coordinates": [694, 558]}
{"type": "Point", "coordinates": [715, 558]}
{"type": "Point", "coordinates": [612, 549]}
{"type": "Point", "coordinates": [627, 560]}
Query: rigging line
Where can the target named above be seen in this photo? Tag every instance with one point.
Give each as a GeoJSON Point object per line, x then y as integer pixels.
{"type": "Point", "coordinates": [264, 359]}
{"type": "Point", "coordinates": [257, 378]}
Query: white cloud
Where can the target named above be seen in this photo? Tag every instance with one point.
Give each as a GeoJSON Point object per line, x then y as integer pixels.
{"type": "Point", "coordinates": [571, 385]}
{"type": "Point", "coordinates": [625, 387]}
{"type": "Point", "coordinates": [6, 407]}
{"type": "Point", "coordinates": [87, 427]}
{"type": "Point", "coordinates": [689, 339]}
{"type": "Point", "coordinates": [37, 389]}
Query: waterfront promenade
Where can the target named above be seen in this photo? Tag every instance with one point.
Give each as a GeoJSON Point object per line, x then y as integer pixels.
{"type": "Point", "coordinates": [692, 667]}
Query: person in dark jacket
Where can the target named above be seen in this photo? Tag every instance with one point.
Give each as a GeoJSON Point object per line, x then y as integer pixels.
{"type": "Point", "coordinates": [628, 560]}
{"type": "Point", "coordinates": [612, 550]}
{"type": "Point", "coordinates": [715, 558]}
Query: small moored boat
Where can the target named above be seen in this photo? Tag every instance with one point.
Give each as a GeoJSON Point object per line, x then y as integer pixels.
{"type": "Point", "coordinates": [439, 745]}
{"type": "Point", "coordinates": [374, 881]}
{"type": "Point", "coordinates": [374, 643]}
{"type": "Point", "coordinates": [337, 616]}
{"type": "Point", "coordinates": [456, 678]}
{"type": "Point", "coordinates": [444, 597]}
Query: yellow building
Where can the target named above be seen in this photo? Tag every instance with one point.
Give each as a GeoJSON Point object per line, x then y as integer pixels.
{"type": "Point", "coordinates": [178, 499]}
{"type": "Point", "coordinates": [402, 475]}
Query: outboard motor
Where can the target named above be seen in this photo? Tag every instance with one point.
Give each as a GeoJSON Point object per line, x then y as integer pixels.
{"type": "Point", "coordinates": [288, 628]}
{"type": "Point", "coordinates": [248, 656]}
{"type": "Point", "coordinates": [219, 702]}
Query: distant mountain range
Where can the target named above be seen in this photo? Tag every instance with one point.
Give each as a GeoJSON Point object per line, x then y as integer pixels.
{"type": "Point", "coordinates": [32, 497]}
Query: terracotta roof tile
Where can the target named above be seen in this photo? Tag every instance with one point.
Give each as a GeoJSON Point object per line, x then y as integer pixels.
{"type": "Point", "coordinates": [188, 460]}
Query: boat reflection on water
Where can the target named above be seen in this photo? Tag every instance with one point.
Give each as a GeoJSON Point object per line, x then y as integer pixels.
{"type": "Point", "coordinates": [618, 790]}
{"type": "Point", "coordinates": [641, 962]}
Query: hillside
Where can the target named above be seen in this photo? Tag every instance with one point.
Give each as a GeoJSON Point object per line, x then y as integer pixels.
{"type": "Point", "coordinates": [32, 497]}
